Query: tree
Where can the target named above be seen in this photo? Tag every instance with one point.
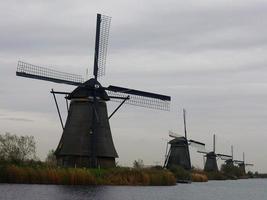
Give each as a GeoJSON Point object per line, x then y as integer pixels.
{"type": "Point", "coordinates": [51, 158]}
{"type": "Point", "coordinates": [17, 148]}
{"type": "Point", "coordinates": [232, 171]}
{"type": "Point", "coordinates": [138, 164]}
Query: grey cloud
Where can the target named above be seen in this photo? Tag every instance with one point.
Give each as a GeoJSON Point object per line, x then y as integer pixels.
{"type": "Point", "coordinates": [16, 119]}
{"type": "Point", "coordinates": [197, 29]}
{"type": "Point", "coordinates": [189, 30]}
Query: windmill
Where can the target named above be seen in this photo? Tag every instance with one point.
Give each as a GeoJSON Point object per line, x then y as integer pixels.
{"type": "Point", "coordinates": [230, 161]}
{"type": "Point", "coordinates": [86, 140]}
{"type": "Point", "coordinates": [242, 164]}
{"type": "Point", "coordinates": [211, 157]}
{"type": "Point", "coordinates": [178, 154]}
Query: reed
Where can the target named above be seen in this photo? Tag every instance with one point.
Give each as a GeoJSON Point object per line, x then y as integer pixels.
{"type": "Point", "coordinates": [83, 176]}
{"type": "Point", "coordinates": [196, 177]}
{"type": "Point", "coordinates": [180, 173]}
{"type": "Point", "coordinates": [128, 176]}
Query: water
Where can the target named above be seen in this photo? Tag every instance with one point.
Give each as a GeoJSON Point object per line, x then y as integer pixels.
{"type": "Point", "coordinates": [252, 189]}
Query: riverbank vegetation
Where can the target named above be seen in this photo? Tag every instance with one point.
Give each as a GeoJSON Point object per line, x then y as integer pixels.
{"type": "Point", "coordinates": [227, 172]}
{"type": "Point", "coordinates": [19, 164]}
{"type": "Point", "coordinates": [42, 174]}
{"type": "Point", "coordinates": [193, 175]}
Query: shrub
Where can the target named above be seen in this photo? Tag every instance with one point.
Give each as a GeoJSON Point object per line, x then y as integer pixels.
{"type": "Point", "coordinates": [232, 171]}
{"type": "Point", "coordinates": [195, 177]}
{"type": "Point", "coordinates": [180, 173]}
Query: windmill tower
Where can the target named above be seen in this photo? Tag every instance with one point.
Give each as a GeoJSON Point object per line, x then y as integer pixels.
{"type": "Point", "coordinates": [178, 154]}
{"type": "Point", "coordinates": [86, 140]}
{"type": "Point", "coordinates": [211, 158]}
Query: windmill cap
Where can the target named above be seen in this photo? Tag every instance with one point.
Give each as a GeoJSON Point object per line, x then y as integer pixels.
{"type": "Point", "coordinates": [89, 89]}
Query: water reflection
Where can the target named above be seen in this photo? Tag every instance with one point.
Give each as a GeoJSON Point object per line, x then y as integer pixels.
{"type": "Point", "coordinates": [253, 189]}
{"type": "Point", "coordinates": [78, 192]}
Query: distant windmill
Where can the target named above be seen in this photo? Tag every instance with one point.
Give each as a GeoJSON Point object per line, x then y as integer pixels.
{"type": "Point", "coordinates": [86, 139]}
{"type": "Point", "coordinates": [242, 164]}
{"type": "Point", "coordinates": [230, 161]}
{"type": "Point", "coordinates": [212, 156]}
{"type": "Point", "coordinates": [178, 154]}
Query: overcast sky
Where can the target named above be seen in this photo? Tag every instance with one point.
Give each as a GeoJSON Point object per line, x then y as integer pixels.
{"type": "Point", "coordinates": [209, 56]}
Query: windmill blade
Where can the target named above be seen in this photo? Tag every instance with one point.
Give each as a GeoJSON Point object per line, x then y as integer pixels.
{"type": "Point", "coordinates": [46, 74]}
{"type": "Point", "coordinates": [198, 145]}
{"type": "Point", "coordinates": [203, 151]}
{"type": "Point", "coordinates": [138, 93]}
{"type": "Point", "coordinates": [101, 44]}
{"type": "Point", "coordinates": [224, 156]}
{"type": "Point", "coordinates": [238, 161]}
{"type": "Point", "coordinates": [140, 98]}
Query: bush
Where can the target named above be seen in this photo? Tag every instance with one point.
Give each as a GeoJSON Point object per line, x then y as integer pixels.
{"type": "Point", "coordinates": [231, 171]}
{"type": "Point", "coordinates": [180, 173]}
{"type": "Point", "coordinates": [216, 176]}
{"type": "Point", "coordinates": [195, 177]}
{"type": "Point", "coordinates": [138, 164]}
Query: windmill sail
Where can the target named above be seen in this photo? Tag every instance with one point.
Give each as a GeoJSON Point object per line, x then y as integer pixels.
{"type": "Point", "coordinates": [224, 156]}
{"type": "Point", "coordinates": [46, 74]}
{"type": "Point", "coordinates": [198, 145]}
{"type": "Point", "coordinates": [140, 98]}
{"type": "Point", "coordinates": [101, 43]}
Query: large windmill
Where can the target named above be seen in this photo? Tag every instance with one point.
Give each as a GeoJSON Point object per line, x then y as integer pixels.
{"type": "Point", "coordinates": [178, 153]}
{"type": "Point", "coordinates": [212, 156]}
{"type": "Point", "coordinates": [86, 139]}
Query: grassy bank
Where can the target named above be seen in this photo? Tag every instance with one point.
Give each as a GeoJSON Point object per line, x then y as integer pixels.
{"type": "Point", "coordinates": [41, 173]}
{"type": "Point", "coordinates": [193, 175]}
{"type": "Point", "coordinates": [226, 173]}
{"type": "Point", "coordinates": [78, 176]}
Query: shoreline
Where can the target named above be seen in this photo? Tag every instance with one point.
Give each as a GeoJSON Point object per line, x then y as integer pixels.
{"type": "Point", "coordinates": [83, 176]}
{"type": "Point", "coordinates": [155, 176]}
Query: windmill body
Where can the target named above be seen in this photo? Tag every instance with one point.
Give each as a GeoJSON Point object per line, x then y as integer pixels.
{"type": "Point", "coordinates": [77, 143]}
{"type": "Point", "coordinates": [211, 162]}
{"type": "Point", "coordinates": [75, 146]}
{"type": "Point", "coordinates": [86, 140]}
{"type": "Point", "coordinates": [179, 154]}
{"type": "Point", "coordinates": [212, 157]}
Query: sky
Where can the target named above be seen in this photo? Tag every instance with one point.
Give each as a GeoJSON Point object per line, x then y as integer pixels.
{"type": "Point", "coordinates": [209, 56]}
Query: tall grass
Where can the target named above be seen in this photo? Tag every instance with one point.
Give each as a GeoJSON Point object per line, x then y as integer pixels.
{"type": "Point", "coordinates": [180, 173]}
{"type": "Point", "coordinates": [72, 176]}
{"type": "Point", "coordinates": [82, 176]}
{"type": "Point", "coordinates": [196, 177]}
{"type": "Point", "coordinates": [127, 176]}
